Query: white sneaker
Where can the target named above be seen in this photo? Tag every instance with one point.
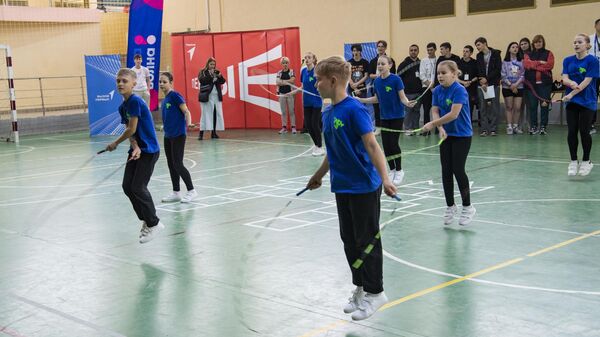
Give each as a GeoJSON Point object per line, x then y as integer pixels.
{"type": "Point", "coordinates": [189, 196]}
{"type": "Point", "coordinates": [466, 216]}
{"type": "Point", "coordinates": [283, 130]}
{"type": "Point", "coordinates": [144, 226]}
{"type": "Point", "coordinates": [517, 129]}
{"type": "Point", "coordinates": [392, 175]}
{"type": "Point", "coordinates": [585, 168]}
{"type": "Point", "coordinates": [449, 214]}
{"type": "Point", "coordinates": [149, 233]}
{"type": "Point", "coordinates": [573, 168]}
{"type": "Point", "coordinates": [318, 151]}
{"type": "Point", "coordinates": [354, 300]}
{"type": "Point", "coordinates": [173, 197]}
{"type": "Point", "coordinates": [369, 305]}
{"type": "Point", "coordinates": [398, 177]}
{"type": "Point", "coordinates": [509, 130]}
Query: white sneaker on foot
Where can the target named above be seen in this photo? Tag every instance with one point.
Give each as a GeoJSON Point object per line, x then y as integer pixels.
{"type": "Point", "coordinates": [283, 130]}
{"type": "Point", "coordinates": [573, 168]}
{"type": "Point", "coordinates": [398, 177]}
{"type": "Point", "coordinates": [144, 226]}
{"type": "Point", "coordinates": [318, 151]}
{"type": "Point", "coordinates": [369, 305]}
{"type": "Point", "coordinates": [151, 232]}
{"type": "Point", "coordinates": [466, 216]}
{"type": "Point", "coordinates": [189, 196]}
{"type": "Point", "coordinates": [354, 300]}
{"type": "Point", "coordinates": [173, 197]}
{"type": "Point", "coordinates": [585, 168]}
{"type": "Point", "coordinates": [449, 214]}
{"type": "Point", "coordinates": [509, 130]}
{"type": "Point", "coordinates": [392, 175]}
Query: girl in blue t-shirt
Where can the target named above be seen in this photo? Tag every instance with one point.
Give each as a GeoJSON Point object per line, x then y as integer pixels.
{"type": "Point", "coordinates": [579, 75]}
{"type": "Point", "coordinates": [450, 113]}
{"type": "Point", "coordinates": [389, 93]}
{"type": "Point", "coordinates": [176, 118]}
{"type": "Point", "coordinates": [143, 154]}
{"type": "Point", "coordinates": [312, 103]}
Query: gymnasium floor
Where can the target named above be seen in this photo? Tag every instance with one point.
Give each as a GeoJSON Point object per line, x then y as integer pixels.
{"type": "Point", "coordinates": [238, 262]}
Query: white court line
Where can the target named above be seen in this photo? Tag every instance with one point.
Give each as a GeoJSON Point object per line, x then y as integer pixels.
{"type": "Point", "coordinates": [16, 152]}
{"type": "Point", "coordinates": [262, 142]}
{"type": "Point", "coordinates": [251, 169]}
{"type": "Point", "coordinates": [508, 285]}
{"type": "Point", "coordinates": [68, 317]}
{"type": "Point", "coordinates": [503, 158]}
{"type": "Point", "coordinates": [51, 200]}
{"type": "Point", "coordinates": [58, 172]}
{"type": "Point", "coordinates": [74, 141]}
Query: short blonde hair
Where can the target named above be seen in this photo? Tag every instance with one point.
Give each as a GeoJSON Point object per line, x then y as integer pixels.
{"type": "Point", "coordinates": [285, 58]}
{"type": "Point", "coordinates": [127, 72]}
{"type": "Point", "coordinates": [452, 66]}
{"type": "Point", "coordinates": [334, 66]}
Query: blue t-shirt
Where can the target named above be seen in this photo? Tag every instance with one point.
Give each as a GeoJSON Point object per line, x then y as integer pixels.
{"type": "Point", "coordinates": [443, 98]}
{"type": "Point", "coordinates": [308, 83]}
{"type": "Point", "coordinates": [173, 118]}
{"type": "Point", "coordinates": [386, 90]}
{"type": "Point", "coordinates": [145, 135]}
{"type": "Point", "coordinates": [578, 70]}
{"type": "Point", "coordinates": [351, 169]}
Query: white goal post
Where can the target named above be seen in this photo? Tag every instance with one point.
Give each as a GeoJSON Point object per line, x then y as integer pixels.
{"type": "Point", "coordinates": [11, 92]}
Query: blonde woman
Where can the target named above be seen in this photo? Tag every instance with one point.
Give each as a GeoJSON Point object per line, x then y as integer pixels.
{"type": "Point", "coordinates": [285, 80]}
{"type": "Point", "coordinates": [211, 98]}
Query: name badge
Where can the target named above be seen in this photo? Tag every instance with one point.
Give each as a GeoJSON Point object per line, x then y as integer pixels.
{"type": "Point", "coordinates": [466, 77]}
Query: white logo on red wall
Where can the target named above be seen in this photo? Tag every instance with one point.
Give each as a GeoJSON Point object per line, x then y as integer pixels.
{"type": "Point", "coordinates": [246, 79]}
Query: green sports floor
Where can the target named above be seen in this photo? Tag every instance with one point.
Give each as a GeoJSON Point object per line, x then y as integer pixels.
{"type": "Point", "coordinates": [242, 260]}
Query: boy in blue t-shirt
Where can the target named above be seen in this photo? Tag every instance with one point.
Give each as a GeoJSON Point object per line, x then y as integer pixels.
{"type": "Point", "coordinates": [450, 114]}
{"type": "Point", "coordinates": [580, 73]}
{"type": "Point", "coordinates": [142, 157]}
{"type": "Point", "coordinates": [357, 167]}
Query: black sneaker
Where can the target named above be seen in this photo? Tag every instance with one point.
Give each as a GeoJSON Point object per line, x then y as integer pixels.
{"type": "Point", "coordinates": [533, 131]}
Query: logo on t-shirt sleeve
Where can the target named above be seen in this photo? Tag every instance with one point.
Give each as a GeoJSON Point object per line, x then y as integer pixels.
{"type": "Point", "coordinates": [448, 102]}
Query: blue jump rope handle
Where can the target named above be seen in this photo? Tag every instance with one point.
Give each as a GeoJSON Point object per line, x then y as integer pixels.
{"type": "Point", "coordinates": [395, 196]}
{"type": "Point", "coordinates": [300, 193]}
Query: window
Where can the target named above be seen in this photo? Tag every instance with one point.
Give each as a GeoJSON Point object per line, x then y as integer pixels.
{"type": "Point", "coordinates": [413, 9]}
{"type": "Point", "coordinates": [482, 6]}
{"type": "Point", "coordinates": [14, 2]}
{"type": "Point", "coordinates": [570, 2]}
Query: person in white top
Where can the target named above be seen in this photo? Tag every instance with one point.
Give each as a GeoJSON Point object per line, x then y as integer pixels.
{"type": "Point", "coordinates": [595, 51]}
{"type": "Point", "coordinates": [427, 76]}
{"type": "Point", "coordinates": [142, 85]}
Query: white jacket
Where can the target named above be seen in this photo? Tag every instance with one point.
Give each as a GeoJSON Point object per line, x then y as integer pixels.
{"type": "Point", "coordinates": [427, 70]}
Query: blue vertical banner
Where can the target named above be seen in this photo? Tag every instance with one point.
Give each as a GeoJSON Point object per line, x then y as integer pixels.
{"type": "Point", "coordinates": [145, 30]}
{"type": "Point", "coordinates": [103, 97]}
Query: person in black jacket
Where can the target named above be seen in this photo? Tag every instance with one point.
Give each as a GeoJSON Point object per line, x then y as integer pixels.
{"type": "Point", "coordinates": [489, 67]}
{"type": "Point", "coordinates": [211, 99]}
{"type": "Point", "coordinates": [408, 71]}
{"type": "Point", "coordinates": [445, 55]}
{"type": "Point", "coordinates": [468, 78]}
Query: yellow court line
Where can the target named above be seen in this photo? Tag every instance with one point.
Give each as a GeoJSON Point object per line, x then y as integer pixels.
{"type": "Point", "coordinates": [324, 329]}
{"type": "Point", "coordinates": [568, 242]}
{"type": "Point", "coordinates": [457, 280]}
{"type": "Point", "coordinates": [449, 283]}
